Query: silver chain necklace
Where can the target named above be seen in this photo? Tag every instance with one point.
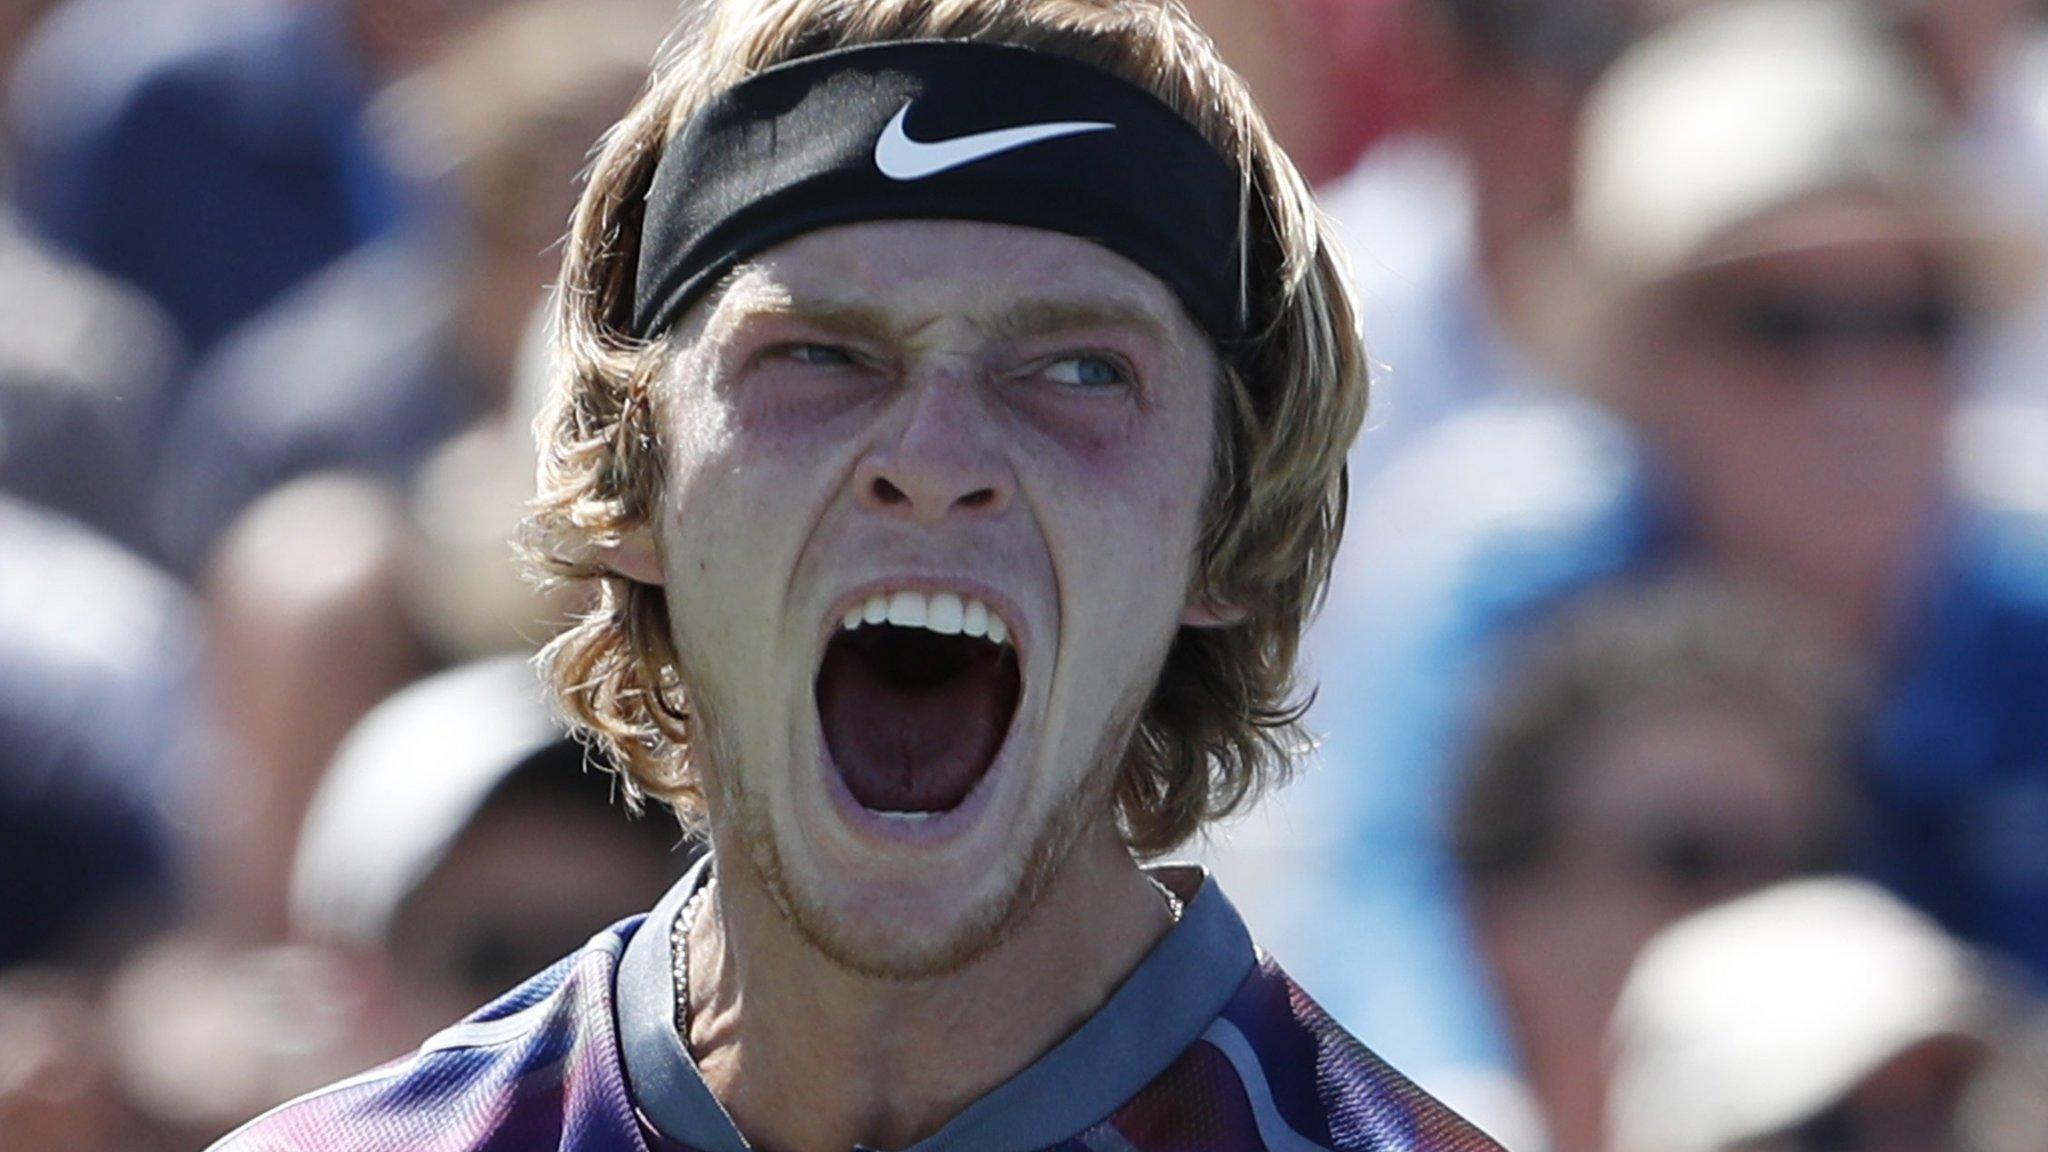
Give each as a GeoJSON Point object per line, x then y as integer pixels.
{"type": "Point", "coordinates": [679, 960]}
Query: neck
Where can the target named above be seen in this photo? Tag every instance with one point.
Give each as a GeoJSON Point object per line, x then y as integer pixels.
{"type": "Point", "coordinates": [806, 1055]}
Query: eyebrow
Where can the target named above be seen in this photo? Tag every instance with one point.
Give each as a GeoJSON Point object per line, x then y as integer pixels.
{"type": "Point", "coordinates": [1034, 316]}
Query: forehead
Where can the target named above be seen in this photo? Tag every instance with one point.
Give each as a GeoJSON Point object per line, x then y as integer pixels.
{"type": "Point", "coordinates": [923, 271]}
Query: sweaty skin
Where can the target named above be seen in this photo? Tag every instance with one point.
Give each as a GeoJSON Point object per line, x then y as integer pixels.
{"type": "Point", "coordinates": [1016, 414]}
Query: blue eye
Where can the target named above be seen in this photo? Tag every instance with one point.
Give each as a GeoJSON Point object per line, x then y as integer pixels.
{"type": "Point", "coordinates": [1088, 372]}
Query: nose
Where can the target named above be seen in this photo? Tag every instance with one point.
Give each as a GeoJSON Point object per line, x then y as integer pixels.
{"type": "Point", "coordinates": [944, 459]}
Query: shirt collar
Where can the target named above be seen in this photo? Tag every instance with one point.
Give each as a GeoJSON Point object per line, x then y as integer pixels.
{"type": "Point", "coordinates": [1160, 1009]}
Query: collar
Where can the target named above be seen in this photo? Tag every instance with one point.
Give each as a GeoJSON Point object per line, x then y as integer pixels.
{"type": "Point", "coordinates": [1160, 1009]}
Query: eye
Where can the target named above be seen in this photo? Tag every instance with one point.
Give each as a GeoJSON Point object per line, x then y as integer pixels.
{"type": "Point", "coordinates": [817, 355]}
{"type": "Point", "coordinates": [1089, 372]}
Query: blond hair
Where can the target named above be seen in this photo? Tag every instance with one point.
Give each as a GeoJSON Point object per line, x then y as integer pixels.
{"type": "Point", "coordinates": [1223, 722]}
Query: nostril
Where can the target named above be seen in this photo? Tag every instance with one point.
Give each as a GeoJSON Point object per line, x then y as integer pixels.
{"type": "Point", "coordinates": [889, 493]}
{"type": "Point", "coordinates": [979, 498]}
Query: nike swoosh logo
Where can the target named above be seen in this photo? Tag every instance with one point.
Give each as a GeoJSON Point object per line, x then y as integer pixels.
{"type": "Point", "coordinates": [901, 158]}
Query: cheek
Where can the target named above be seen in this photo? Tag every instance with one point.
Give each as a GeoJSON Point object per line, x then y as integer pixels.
{"type": "Point", "coordinates": [1126, 514]}
{"type": "Point", "coordinates": [727, 519]}
{"type": "Point", "coordinates": [1155, 481]}
{"type": "Point", "coordinates": [805, 416]}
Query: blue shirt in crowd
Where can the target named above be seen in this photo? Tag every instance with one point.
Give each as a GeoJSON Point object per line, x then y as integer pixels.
{"type": "Point", "coordinates": [1500, 516]}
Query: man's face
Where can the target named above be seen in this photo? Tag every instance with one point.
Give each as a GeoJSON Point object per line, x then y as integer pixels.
{"type": "Point", "coordinates": [926, 420]}
{"type": "Point", "coordinates": [1660, 813]}
{"type": "Point", "coordinates": [1801, 398]}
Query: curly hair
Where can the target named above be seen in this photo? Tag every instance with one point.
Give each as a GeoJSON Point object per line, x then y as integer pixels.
{"type": "Point", "coordinates": [1224, 721]}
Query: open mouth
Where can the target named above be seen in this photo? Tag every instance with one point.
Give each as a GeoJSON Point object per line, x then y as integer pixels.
{"type": "Point", "coordinates": [915, 696]}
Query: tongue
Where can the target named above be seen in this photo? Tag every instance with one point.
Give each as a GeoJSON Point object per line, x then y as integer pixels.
{"type": "Point", "coordinates": [913, 720]}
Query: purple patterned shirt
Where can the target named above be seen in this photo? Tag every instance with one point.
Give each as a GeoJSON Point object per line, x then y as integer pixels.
{"type": "Point", "coordinates": [1206, 1047]}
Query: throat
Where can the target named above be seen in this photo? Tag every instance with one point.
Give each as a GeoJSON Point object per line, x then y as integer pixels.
{"type": "Point", "coordinates": [805, 1056]}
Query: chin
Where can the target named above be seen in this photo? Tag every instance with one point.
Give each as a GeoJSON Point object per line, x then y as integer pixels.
{"type": "Point", "coordinates": [915, 936]}
{"type": "Point", "coordinates": [896, 902]}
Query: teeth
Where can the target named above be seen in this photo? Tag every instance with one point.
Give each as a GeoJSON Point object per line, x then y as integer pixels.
{"type": "Point", "coordinates": [907, 610]}
{"type": "Point", "coordinates": [946, 613]}
{"type": "Point", "coordinates": [904, 817]}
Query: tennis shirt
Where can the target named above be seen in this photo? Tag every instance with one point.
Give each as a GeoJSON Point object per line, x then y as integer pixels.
{"type": "Point", "coordinates": [1207, 1045]}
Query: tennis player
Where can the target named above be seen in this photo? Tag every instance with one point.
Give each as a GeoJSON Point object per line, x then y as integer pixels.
{"type": "Point", "coordinates": [952, 406]}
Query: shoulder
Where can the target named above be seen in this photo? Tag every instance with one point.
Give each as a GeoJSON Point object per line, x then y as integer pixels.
{"type": "Point", "coordinates": [524, 1072]}
{"type": "Point", "coordinates": [1275, 1071]}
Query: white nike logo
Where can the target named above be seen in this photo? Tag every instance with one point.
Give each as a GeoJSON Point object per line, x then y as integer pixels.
{"type": "Point", "coordinates": [901, 158]}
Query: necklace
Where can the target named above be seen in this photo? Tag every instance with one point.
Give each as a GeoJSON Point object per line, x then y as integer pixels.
{"type": "Point", "coordinates": [679, 956]}
{"type": "Point", "coordinates": [1175, 906]}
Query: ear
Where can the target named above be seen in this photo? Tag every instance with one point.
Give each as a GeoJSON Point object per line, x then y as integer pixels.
{"type": "Point", "coordinates": [1204, 611]}
{"type": "Point", "coordinates": [636, 557]}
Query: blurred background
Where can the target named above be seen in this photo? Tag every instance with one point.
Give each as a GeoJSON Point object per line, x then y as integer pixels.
{"type": "Point", "coordinates": [1683, 688]}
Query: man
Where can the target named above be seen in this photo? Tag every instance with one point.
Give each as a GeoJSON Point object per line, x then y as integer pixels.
{"type": "Point", "coordinates": [415, 896]}
{"type": "Point", "coordinates": [1787, 287]}
{"type": "Point", "coordinates": [950, 424]}
{"type": "Point", "coordinates": [1438, 222]}
{"type": "Point", "coordinates": [456, 844]}
{"type": "Point", "coordinates": [1658, 748]}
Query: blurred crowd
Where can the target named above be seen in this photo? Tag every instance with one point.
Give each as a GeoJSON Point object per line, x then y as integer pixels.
{"type": "Point", "coordinates": [1684, 685]}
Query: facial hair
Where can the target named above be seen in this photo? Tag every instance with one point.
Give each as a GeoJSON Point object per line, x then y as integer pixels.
{"type": "Point", "coordinates": [981, 931]}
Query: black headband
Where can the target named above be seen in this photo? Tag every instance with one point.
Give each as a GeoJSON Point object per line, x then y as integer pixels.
{"type": "Point", "coordinates": [941, 130]}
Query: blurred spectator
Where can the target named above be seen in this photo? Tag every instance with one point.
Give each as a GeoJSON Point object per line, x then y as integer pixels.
{"type": "Point", "coordinates": [2007, 1108]}
{"type": "Point", "coordinates": [1437, 218]}
{"type": "Point", "coordinates": [1437, 221]}
{"type": "Point", "coordinates": [95, 651]}
{"type": "Point", "coordinates": [59, 1090]}
{"type": "Point", "coordinates": [1655, 749]}
{"type": "Point", "coordinates": [1332, 77]}
{"type": "Point", "coordinates": [306, 632]}
{"type": "Point", "coordinates": [82, 363]}
{"type": "Point", "coordinates": [402, 344]}
{"type": "Point", "coordinates": [17, 21]}
{"type": "Point", "coordinates": [1818, 1016]}
{"type": "Point", "coordinates": [1783, 280]}
{"type": "Point", "coordinates": [85, 55]}
{"type": "Point", "coordinates": [96, 648]}
{"type": "Point", "coordinates": [461, 838]}
{"type": "Point", "coordinates": [1373, 88]}
{"type": "Point", "coordinates": [227, 170]}
{"type": "Point", "coordinates": [465, 508]}
{"type": "Point", "coordinates": [457, 843]}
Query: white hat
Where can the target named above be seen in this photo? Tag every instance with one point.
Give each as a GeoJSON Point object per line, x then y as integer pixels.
{"type": "Point", "coordinates": [402, 787]}
{"type": "Point", "coordinates": [1753, 1016]}
{"type": "Point", "coordinates": [1746, 107]}
{"type": "Point", "coordinates": [1739, 109]}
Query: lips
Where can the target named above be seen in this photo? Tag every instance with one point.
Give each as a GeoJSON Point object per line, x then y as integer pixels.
{"type": "Point", "coordinates": [915, 695]}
